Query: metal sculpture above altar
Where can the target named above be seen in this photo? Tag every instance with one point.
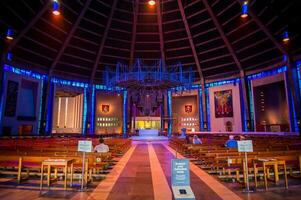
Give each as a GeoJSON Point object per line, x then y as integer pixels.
{"type": "Point", "coordinates": [140, 77]}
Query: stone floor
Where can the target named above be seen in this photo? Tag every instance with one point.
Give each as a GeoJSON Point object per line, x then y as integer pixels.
{"type": "Point", "coordinates": [144, 172]}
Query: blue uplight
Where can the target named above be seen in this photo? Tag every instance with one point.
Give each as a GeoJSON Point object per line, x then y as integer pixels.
{"type": "Point", "coordinates": [244, 9]}
{"type": "Point", "coordinates": [124, 124]}
{"type": "Point", "coordinates": [169, 110]}
{"type": "Point", "coordinates": [208, 108]}
{"type": "Point", "coordinates": [85, 107]}
{"type": "Point", "coordinates": [24, 72]}
{"type": "Point", "coordinates": [225, 82]}
{"type": "Point", "coordinates": [267, 73]}
{"type": "Point", "coordinates": [10, 34]}
{"type": "Point", "coordinates": [40, 107]}
{"type": "Point", "coordinates": [49, 108]}
{"type": "Point", "coordinates": [92, 112]}
{"type": "Point", "coordinates": [201, 119]}
{"type": "Point", "coordinates": [69, 83]}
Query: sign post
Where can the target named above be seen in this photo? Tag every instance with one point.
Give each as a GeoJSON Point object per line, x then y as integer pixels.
{"type": "Point", "coordinates": [246, 146]}
{"type": "Point", "coordinates": [84, 146]}
{"type": "Point", "coordinates": [180, 180]}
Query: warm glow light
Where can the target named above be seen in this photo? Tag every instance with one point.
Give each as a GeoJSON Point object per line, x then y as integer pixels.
{"type": "Point", "coordinates": [56, 12]}
{"type": "Point", "coordinates": [244, 9]}
{"type": "Point", "coordinates": [9, 34]}
{"type": "Point", "coordinates": [151, 2]}
{"type": "Point", "coordinates": [244, 15]}
{"type": "Point", "coordinates": [55, 7]}
{"type": "Point", "coordinates": [285, 37]}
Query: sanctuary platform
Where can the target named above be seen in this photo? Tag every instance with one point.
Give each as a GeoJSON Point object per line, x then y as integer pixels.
{"type": "Point", "coordinates": [149, 135]}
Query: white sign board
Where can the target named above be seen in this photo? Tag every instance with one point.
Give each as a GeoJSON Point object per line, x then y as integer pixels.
{"type": "Point", "coordinates": [84, 146]}
{"type": "Point", "coordinates": [245, 146]}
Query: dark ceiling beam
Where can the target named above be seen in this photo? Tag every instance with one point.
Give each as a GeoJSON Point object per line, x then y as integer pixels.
{"type": "Point", "coordinates": [257, 54]}
{"type": "Point", "coordinates": [247, 47]}
{"type": "Point", "coordinates": [48, 35]}
{"type": "Point", "coordinates": [204, 32]}
{"type": "Point", "coordinates": [231, 19]}
{"type": "Point", "coordinates": [88, 31]}
{"type": "Point", "coordinates": [226, 9]}
{"type": "Point", "coordinates": [192, 3]}
{"type": "Point", "coordinates": [195, 14]}
{"type": "Point", "coordinates": [174, 30]}
{"type": "Point", "coordinates": [207, 41]}
{"type": "Point", "coordinates": [81, 49]}
{"type": "Point", "coordinates": [69, 36]}
{"type": "Point", "coordinates": [245, 36]}
{"type": "Point", "coordinates": [266, 31]}
{"type": "Point", "coordinates": [177, 49]}
{"type": "Point", "coordinates": [120, 30]}
{"type": "Point", "coordinates": [28, 50]}
{"type": "Point", "coordinates": [93, 22]}
{"type": "Point", "coordinates": [134, 30]}
{"type": "Point", "coordinates": [40, 44]}
{"type": "Point", "coordinates": [118, 39]}
{"type": "Point", "coordinates": [212, 49]}
{"type": "Point", "coordinates": [200, 23]}
{"type": "Point", "coordinates": [221, 66]}
{"type": "Point", "coordinates": [172, 21]}
{"type": "Point", "coordinates": [29, 25]}
{"type": "Point", "coordinates": [102, 44]}
{"type": "Point", "coordinates": [223, 35]}
{"type": "Point", "coordinates": [161, 35]}
{"type": "Point", "coordinates": [85, 40]}
{"type": "Point", "coordinates": [239, 27]}
{"type": "Point", "coordinates": [215, 58]}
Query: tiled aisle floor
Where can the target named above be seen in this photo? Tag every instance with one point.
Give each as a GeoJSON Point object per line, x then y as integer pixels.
{"type": "Point", "coordinates": [144, 173]}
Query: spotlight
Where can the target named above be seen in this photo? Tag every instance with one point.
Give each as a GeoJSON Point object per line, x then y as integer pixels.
{"type": "Point", "coordinates": [9, 56]}
{"type": "Point", "coordinates": [151, 2]}
{"type": "Point", "coordinates": [10, 34]}
{"type": "Point", "coordinates": [55, 7]}
{"type": "Point", "coordinates": [244, 9]}
{"type": "Point", "coordinates": [285, 37]}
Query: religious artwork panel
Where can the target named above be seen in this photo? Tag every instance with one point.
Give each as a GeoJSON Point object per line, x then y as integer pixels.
{"type": "Point", "coordinates": [188, 108]}
{"type": "Point", "coordinates": [11, 98]}
{"type": "Point", "coordinates": [223, 103]}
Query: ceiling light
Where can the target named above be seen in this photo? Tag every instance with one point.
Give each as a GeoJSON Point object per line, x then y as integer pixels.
{"type": "Point", "coordinates": [151, 2]}
{"type": "Point", "coordinates": [244, 9]}
{"type": "Point", "coordinates": [55, 7]}
{"type": "Point", "coordinates": [10, 34]}
{"type": "Point", "coordinates": [285, 37]}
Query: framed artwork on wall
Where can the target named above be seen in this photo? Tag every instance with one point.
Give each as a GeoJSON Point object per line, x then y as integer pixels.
{"type": "Point", "coordinates": [223, 103]}
{"type": "Point", "coordinates": [11, 98]}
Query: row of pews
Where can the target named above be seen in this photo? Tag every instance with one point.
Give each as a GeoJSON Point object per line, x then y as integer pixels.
{"type": "Point", "coordinates": [273, 156]}
{"type": "Point", "coordinates": [23, 158]}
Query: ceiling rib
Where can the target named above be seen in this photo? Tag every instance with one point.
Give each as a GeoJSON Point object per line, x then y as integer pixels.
{"type": "Point", "coordinates": [223, 35]}
{"type": "Point", "coordinates": [160, 26]}
{"type": "Point", "coordinates": [74, 27]}
{"type": "Point", "coordinates": [101, 46]}
{"type": "Point", "coordinates": [135, 19]}
{"type": "Point", "coordinates": [266, 31]}
{"type": "Point", "coordinates": [30, 24]}
{"type": "Point", "coordinates": [195, 56]}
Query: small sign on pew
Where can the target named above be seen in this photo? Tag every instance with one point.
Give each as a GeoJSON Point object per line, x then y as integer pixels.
{"type": "Point", "coordinates": [84, 146]}
{"type": "Point", "coordinates": [180, 180]}
{"type": "Point", "coordinates": [245, 146]}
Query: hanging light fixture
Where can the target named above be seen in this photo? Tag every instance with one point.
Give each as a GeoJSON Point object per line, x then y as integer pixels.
{"type": "Point", "coordinates": [151, 2]}
{"type": "Point", "coordinates": [10, 34]}
{"type": "Point", "coordinates": [9, 56]}
{"type": "Point", "coordinates": [55, 7]}
{"type": "Point", "coordinates": [244, 9]}
{"type": "Point", "coordinates": [285, 36]}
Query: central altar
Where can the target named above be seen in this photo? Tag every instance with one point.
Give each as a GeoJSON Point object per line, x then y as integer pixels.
{"type": "Point", "coordinates": [148, 132]}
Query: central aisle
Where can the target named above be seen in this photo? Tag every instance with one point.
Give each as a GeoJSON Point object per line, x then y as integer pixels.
{"type": "Point", "coordinates": [145, 173]}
